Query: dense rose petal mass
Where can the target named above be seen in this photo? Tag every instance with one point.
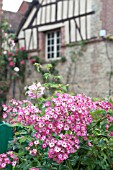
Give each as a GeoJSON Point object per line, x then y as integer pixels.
{"type": "Point", "coordinates": [63, 123]}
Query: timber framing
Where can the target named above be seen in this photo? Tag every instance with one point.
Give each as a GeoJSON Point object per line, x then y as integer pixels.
{"type": "Point", "coordinates": [53, 12]}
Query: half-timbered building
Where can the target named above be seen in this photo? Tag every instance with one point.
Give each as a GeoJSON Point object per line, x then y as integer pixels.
{"type": "Point", "coordinates": [50, 24]}
{"type": "Point", "coordinates": [56, 28]}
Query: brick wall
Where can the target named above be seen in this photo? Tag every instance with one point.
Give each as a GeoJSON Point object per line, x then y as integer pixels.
{"type": "Point", "coordinates": [24, 7]}
{"type": "Point", "coordinates": [107, 16]}
{"type": "Point", "coordinates": [41, 47]}
{"type": "Point", "coordinates": [1, 1]}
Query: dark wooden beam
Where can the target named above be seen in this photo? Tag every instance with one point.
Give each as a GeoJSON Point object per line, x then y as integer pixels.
{"type": "Point", "coordinates": [79, 30]}
{"type": "Point", "coordinates": [30, 40]}
{"type": "Point", "coordinates": [24, 39]}
{"type": "Point", "coordinates": [60, 21]}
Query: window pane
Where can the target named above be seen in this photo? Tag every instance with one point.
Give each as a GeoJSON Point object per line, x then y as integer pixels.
{"type": "Point", "coordinates": [52, 55]}
{"type": "Point", "coordinates": [53, 44]}
{"type": "Point", "coordinates": [58, 41]}
{"type": "Point", "coordinates": [48, 42]}
{"type": "Point", "coordinates": [58, 48]}
{"type": "Point", "coordinates": [58, 54]}
{"type": "Point", "coordinates": [48, 56]}
{"type": "Point", "coordinates": [52, 41]}
{"type": "Point", "coordinates": [48, 35]}
{"type": "Point", "coordinates": [58, 34]}
{"type": "Point", "coordinates": [52, 34]}
{"type": "Point", "coordinates": [52, 48]}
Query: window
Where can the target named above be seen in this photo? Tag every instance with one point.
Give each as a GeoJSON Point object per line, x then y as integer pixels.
{"type": "Point", "coordinates": [53, 45]}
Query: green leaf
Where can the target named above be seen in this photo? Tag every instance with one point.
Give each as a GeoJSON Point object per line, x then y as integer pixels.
{"type": "Point", "coordinates": [23, 139]}
{"type": "Point", "coordinates": [38, 66]}
{"type": "Point", "coordinates": [17, 125]}
{"type": "Point", "coordinates": [110, 128]}
{"type": "Point", "coordinates": [64, 88]}
{"type": "Point", "coordinates": [85, 147]}
{"type": "Point", "coordinates": [49, 66]}
{"type": "Point", "coordinates": [57, 77]}
{"type": "Point", "coordinates": [47, 75]}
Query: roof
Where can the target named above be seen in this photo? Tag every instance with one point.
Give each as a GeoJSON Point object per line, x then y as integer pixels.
{"type": "Point", "coordinates": [13, 19]}
{"type": "Point", "coordinates": [23, 7]}
{"type": "Point", "coordinates": [31, 5]}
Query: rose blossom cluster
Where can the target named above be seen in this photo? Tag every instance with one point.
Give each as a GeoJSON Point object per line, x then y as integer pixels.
{"type": "Point", "coordinates": [64, 114]}
{"type": "Point", "coordinates": [60, 149]}
{"type": "Point", "coordinates": [12, 58]}
{"type": "Point", "coordinates": [103, 105]}
{"type": "Point", "coordinates": [32, 147]}
{"type": "Point", "coordinates": [32, 59]}
{"type": "Point", "coordinates": [8, 159]}
{"type": "Point", "coordinates": [34, 168]}
{"type": "Point", "coordinates": [110, 122]}
{"type": "Point", "coordinates": [35, 91]}
{"type": "Point", "coordinates": [65, 119]}
{"type": "Point", "coordinates": [23, 112]}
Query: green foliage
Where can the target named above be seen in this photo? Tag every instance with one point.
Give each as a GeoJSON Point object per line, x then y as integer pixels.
{"type": "Point", "coordinates": [12, 61]}
{"type": "Point", "coordinates": [95, 152]}
{"type": "Point", "coordinates": [63, 59]}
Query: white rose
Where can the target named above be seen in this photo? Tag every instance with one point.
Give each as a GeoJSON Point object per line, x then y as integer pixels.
{"type": "Point", "coordinates": [5, 52]}
{"type": "Point", "coordinates": [16, 69]}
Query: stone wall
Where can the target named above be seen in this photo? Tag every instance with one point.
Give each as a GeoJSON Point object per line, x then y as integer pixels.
{"type": "Point", "coordinates": [88, 70]}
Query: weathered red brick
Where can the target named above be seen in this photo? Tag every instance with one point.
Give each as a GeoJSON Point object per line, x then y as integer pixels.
{"type": "Point", "coordinates": [107, 16]}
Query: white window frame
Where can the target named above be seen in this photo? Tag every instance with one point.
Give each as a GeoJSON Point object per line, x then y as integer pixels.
{"type": "Point", "coordinates": [55, 46]}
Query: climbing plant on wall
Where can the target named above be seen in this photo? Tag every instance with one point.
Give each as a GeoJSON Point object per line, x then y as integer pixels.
{"type": "Point", "coordinates": [12, 61]}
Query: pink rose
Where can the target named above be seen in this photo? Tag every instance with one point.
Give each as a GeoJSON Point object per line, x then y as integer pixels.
{"type": "Point", "coordinates": [22, 48]}
{"type": "Point", "coordinates": [11, 63]}
{"type": "Point", "coordinates": [22, 62]}
{"type": "Point", "coordinates": [9, 54]}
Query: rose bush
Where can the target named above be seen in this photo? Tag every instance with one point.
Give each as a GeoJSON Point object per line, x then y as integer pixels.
{"type": "Point", "coordinates": [8, 158]}
{"type": "Point", "coordinates": [61, 131]}
{"type": "Point", "coordinates": [13, 61]}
